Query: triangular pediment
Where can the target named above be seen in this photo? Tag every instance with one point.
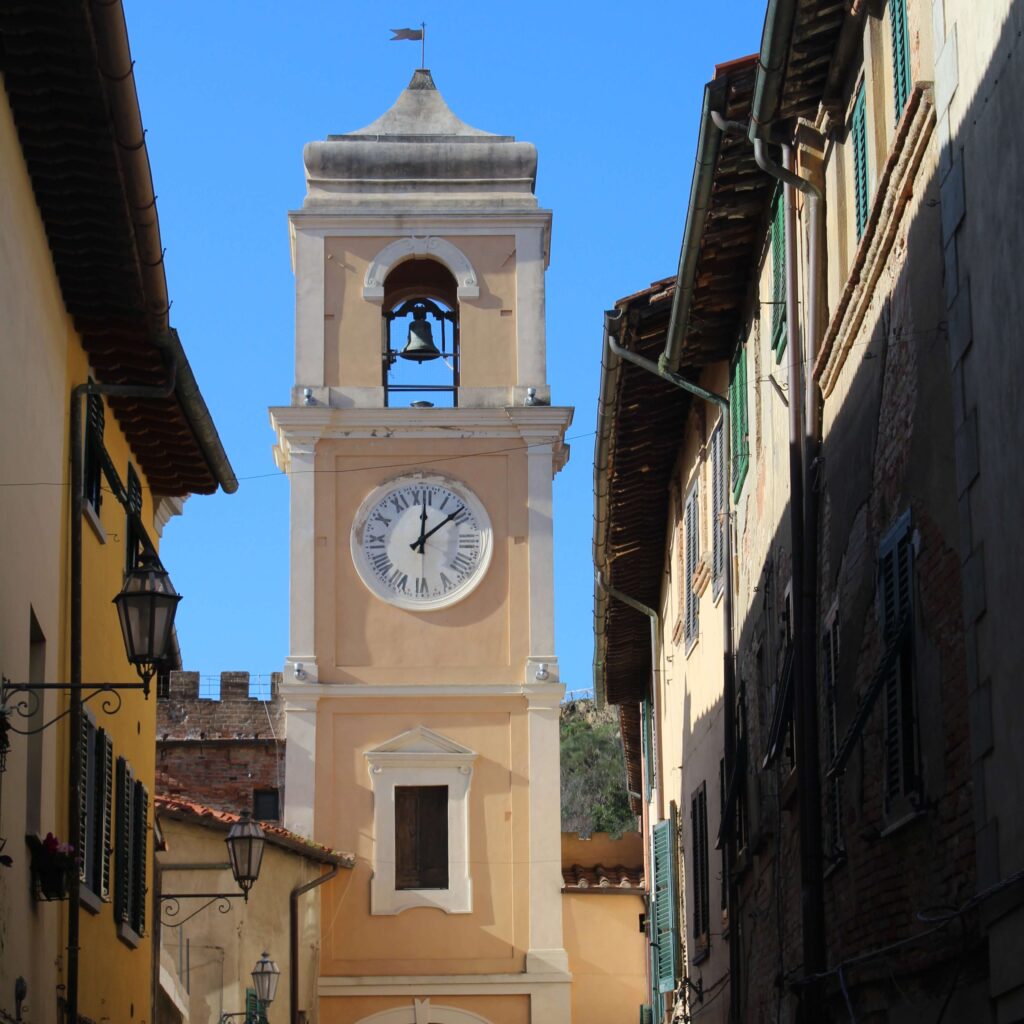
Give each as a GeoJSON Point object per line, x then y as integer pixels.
{"type": "Point", "coordinates": [421, 740]}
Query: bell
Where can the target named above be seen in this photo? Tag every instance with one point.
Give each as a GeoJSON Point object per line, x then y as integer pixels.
{"type": "Point", "coordinates": [419, 347]}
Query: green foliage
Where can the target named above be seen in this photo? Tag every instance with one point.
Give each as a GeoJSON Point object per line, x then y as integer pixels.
{"type": "Point", "coordinates": [594, 795]}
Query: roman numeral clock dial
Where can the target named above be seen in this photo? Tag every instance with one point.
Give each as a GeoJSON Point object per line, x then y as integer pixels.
{"type": "Point", "coordinates": [421, 542]}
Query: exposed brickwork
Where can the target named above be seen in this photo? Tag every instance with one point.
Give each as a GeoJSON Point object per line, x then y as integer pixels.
{"type": "Point", "coordinates": [219, 752]}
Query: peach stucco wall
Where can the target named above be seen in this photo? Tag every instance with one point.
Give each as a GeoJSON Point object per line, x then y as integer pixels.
{"type": "Point", "coordinates": [482, 639]}
{"type": "Point", "coordinates": [493, 937]}
{"type": "Point", "coordinates": [353, 327]}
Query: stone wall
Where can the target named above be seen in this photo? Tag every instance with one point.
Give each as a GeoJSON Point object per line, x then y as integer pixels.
{"type": "Point", "coordinates": [219, 753]}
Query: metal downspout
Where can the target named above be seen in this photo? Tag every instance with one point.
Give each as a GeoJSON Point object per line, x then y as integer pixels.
{"type": "Point", "coordinates": [77, 452]}
{"type": "Point", "coordinates": [293, 938]}
{"type": "Point", "coordinates": [612, 325]}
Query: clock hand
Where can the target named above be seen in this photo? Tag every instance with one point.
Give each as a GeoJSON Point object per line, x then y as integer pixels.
{"type": "Point", "coordinates": [423, 526]}
{"type": "Point", "coordinates": [430, 533]}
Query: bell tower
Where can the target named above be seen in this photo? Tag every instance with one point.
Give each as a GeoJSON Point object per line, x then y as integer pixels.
{"type": "Point", "coordinates": [422, 685]}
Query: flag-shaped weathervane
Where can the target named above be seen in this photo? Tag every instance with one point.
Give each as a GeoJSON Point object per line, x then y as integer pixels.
{"type": "Point", "coordinates": [420, 34]}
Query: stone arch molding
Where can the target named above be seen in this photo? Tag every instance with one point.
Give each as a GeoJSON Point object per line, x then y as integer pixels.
{"type": "Point", "coordinates": [420, 245]}
{"type": "Point", "coordinates": [423, 1012]}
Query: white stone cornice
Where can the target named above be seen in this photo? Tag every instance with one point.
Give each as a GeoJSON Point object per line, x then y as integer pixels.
{"type": "Point", "coordinates": [437, 984]}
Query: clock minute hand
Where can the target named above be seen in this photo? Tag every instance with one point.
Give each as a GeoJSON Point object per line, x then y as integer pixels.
{"type": "Point", "coordinates": [430, 533]}
{"type": "Point", "coordinates": [423, 526]}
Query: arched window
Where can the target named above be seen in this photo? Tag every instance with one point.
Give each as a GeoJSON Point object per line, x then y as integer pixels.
{"type": "Point", "coordinates": [421, 336]}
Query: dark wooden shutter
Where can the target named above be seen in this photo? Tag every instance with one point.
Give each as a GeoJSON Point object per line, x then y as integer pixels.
{"type": "Point", "coordinates": [833, 786]}
{"type": "Point", "coordinates": [701, 896]}
{"type": "Point", "coordinates": [83, 848]}
{"type": "Point", "coordinates": [900, 53]}
{"type": "Point", "coordinates": [859, 135]}
{"type": "Point", "coordinates": [93, 455]}
{"type": "Point", "coordinates": [140, 846]}
{"type": "Point", "coordinates": [123, 845]}
{"type": "Point", "coordinates": [421, 837]}
{"type": "Point", "coordinates": [692, 528]}
{"type": "Point", "coordinates": [778, 233]}
{"type": "Point", "coordinates": [102, 806]}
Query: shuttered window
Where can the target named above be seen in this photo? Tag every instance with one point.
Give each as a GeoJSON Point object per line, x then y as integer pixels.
{"type": "Point", "coordinates": [738, 421]}
{"type": "Point", "coordinates": [93, 454]}
{"type": "Point", "coordinates": [421, 837]}
{"type": "Point", "coordinates": [895, 595]}
{"type": "Point", "coordinates": [95, 803]}
{"type": "Point", "coordinates": [701, 911]}
{"type": "Point", "coordinates": [691, 530]}
{"type": "Point", "coordinates": [833, 786]}
{"type": "Point", "coordinates": [900, 53]}
{"type": "Point", "coordinates": [859, 138]}
{"type": "Point", "coordinates": [254, 1012]}
{"type": "Point", "coordinates": [131, 850]}
{"type": "Point", "coordinates": [665, 900]}
{"type": "Point", "coordinates": [132, 533]}
{"type": "Point", "coordinates": [778, 233]}
{"type": "Point", "coordinates": [719, 519]}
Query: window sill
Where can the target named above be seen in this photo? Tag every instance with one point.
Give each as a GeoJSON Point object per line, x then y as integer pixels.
{"type": "Point", "coordinates": [789, 788]}
{"type": "Point", "coordinates": [902, 821]}
{"type": "Point", "coordinates": [93, 519]}
{"type": "Point", "coordinates": [702, 953]}
{"type": "Point", "coordinates": [128, 936]}
{"type": "Point", "coordinates": [89, 900]}
{"type": "Point", "coordinates": [833, 865]}
{"type": "Point", "coordinates": [690, 644]}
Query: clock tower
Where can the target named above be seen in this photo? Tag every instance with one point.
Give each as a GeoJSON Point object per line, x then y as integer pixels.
{"type": "Point", "coordinates": [421, 685]}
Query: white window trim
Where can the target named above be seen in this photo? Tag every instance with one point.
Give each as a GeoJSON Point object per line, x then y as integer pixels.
{"type": "Point", "coordinates": [420, 757]}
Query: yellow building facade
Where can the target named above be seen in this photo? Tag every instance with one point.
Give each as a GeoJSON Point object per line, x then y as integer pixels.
{"type": "Point", "coordinates": [422, 684]}
{"type": "Point", "coordinates": [85, 309]}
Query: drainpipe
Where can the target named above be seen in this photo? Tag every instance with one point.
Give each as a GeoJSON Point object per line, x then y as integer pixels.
{"type": "Point", "coordinates": [75, 780]}
{"type": "Point", "coordinates": [293, 937]}
{"type": "Point", "coordinates": [612, 326]}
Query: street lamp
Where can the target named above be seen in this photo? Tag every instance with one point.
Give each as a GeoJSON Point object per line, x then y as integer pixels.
{"type": "Point", "coordinates": [245, 844]}
{"type": "Point", "coordinates": [264, 980]}
{"type": "Point", "coordinates": [146, 607]}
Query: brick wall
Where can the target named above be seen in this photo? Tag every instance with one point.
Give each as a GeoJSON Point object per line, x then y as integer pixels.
{"type": "Point", "coordinates": [220, 752]}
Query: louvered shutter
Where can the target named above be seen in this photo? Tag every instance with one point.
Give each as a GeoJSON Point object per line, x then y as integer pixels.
{"type": "Point", "coordinates": [93, 455]}
{"type": "Point", "coordinates": [123, 846]}
{"type": "Point", "coordinates": [858, 130]}
{"type": "Point", "coordinates": [738, 412]}
{"type": "Point", "coordinates": [699, 830]}
{"type": "Point", "coordinates": [82, 848]}
{"type": "Point", "coordinates": [647, 746]}
{"type": "Point", "coordinates": [833, 791]}
{"type": "Point", "coordinates": [646, 1016]}
{"type": "Point", "coordinates": [103, 811]}
{"type": "Point", "coordinates": [718, 521]}
{"type": "Point", "coordinates": [666, 902]}
{"type": "Point", "coordinates": [778, 232]}
{"type": "Point", "coordinates": [140, 846]}
{"type": "Point", "coordinates": [900, 53]}
{"type": "Point", "coordinates": [692, 525]}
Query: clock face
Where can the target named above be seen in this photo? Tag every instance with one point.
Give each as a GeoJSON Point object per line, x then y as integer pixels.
{"type": "Point", "coordinates": [421, 542]}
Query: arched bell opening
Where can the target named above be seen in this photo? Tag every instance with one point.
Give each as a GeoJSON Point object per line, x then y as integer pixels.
{"type": "Point", "coordinates": [421, 336]}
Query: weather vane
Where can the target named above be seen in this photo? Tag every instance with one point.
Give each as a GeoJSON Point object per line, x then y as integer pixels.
{"type": "Point", "coordinates": [414, 34]}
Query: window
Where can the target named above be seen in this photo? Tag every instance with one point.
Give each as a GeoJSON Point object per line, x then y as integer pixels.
{"type": "Point", "coordinates": [93, 455]}
{"type": "Point", "coordinates": [133, 508]}
{"type": "Point", "coordinates": [778, 233]}
{"type": "Point", "coordinates": [691, 530]}
{"type": "Point", "coordinates": [738, 421]}
{"type": "Point", "coordinates": [421, 837]}
{"type": "Point", "coordinates": [701, 898]}
{"type": "Point", "coordinates": [859, 137]}
{"type": "Point", "coordinates": [723, 787]}
{"type": "Point", "coordinates": [266, 805]}
{"type": "Point", "coordinates": [834, 786]}
{"type": "Point", "coordinates": [896, 605]}
{"type": "Point", "coordinates": [131, 853]}
{"type": "Point", "coordinates": [900, 53]}
{"type": "Point", "coordinates": [719, 513]}
{"type": "Point", "coordinates": [420, 783]}
{"type": "Point", "coordinates": [94, 808]}
{"type": "Point", "coordinates": [665, 903]}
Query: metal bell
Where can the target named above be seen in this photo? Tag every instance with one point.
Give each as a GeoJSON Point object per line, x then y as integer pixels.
{"type": "Point", "coordinates": [420, 347]}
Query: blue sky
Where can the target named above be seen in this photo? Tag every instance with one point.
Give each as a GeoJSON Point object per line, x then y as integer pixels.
{"type": "Point", "coordinates": [230, 92]}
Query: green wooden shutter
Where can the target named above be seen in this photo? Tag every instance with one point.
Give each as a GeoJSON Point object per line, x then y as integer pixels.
{"type": "Point", "coordinates": [778, 232]}
{"type": "Point", "coordinates": [738, 424]}
{"type": "Point", "coordinates": [140, 847]}
{"type": "Point", "coordinates": [665, 900]}
{"type": "Point", "coordinates": [646, 1015]}
{"type": "Point", "coordinates": [900, 53]}
{"type": "Point", "coordinates": [647, 746]}
{"type": "Point", "coordinates": [719, 523]}
{"type": "Point", "coordinates": [122, 848]}
{"type": "Point", "coordinates": [859, 134]}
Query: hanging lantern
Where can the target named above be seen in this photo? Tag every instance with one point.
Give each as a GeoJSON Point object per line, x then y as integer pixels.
{"type": "Point", "coordinates": [146, 607]}
{"type": "Point", "coordinates": [265, 976]}
{"type": "Point", "coordinates": [245, 849]}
